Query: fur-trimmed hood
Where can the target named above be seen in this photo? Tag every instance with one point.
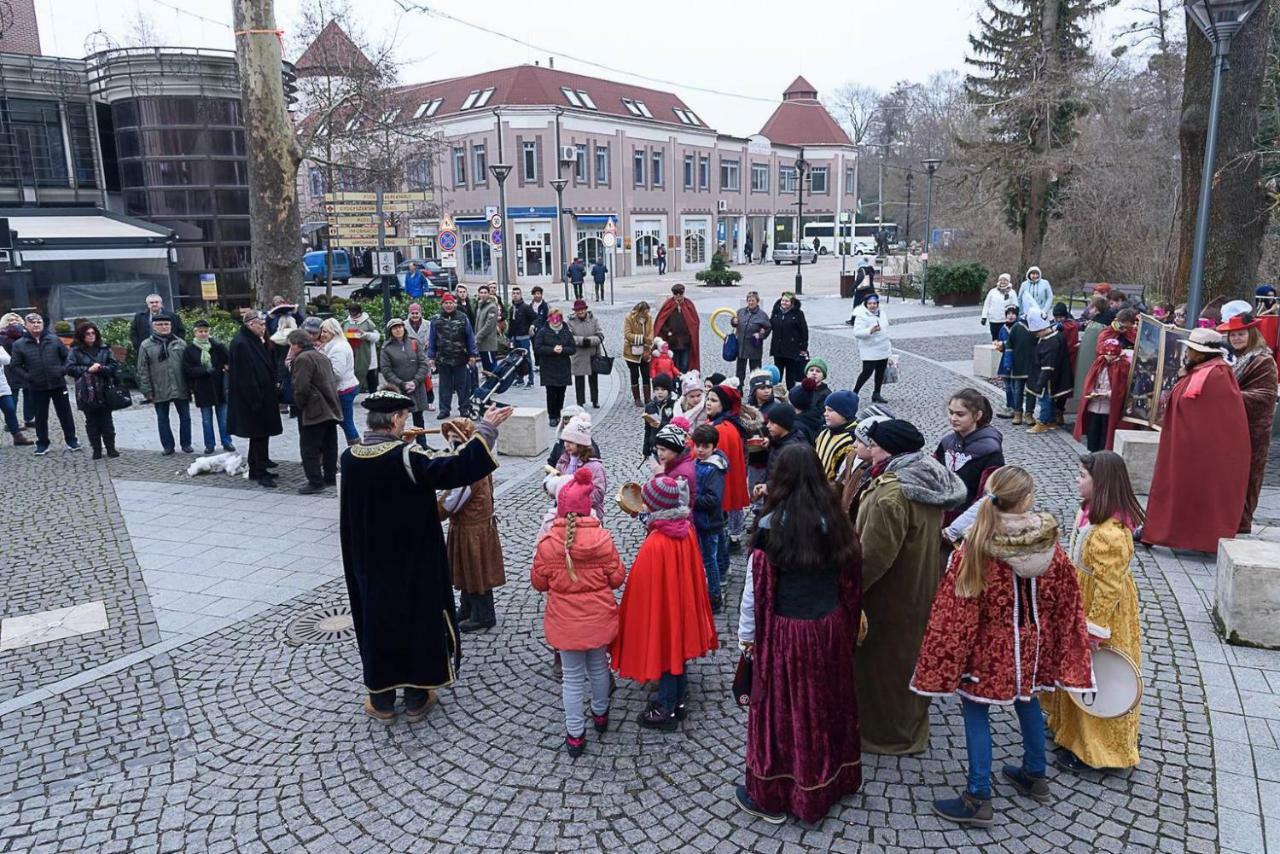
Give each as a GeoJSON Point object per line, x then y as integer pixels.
{"type": "Point", "coordinates": [926, 481]}
{"type": "Point", "coordinates": [1027, 542]}
{"type": "Point", "coordinates": [751, 419]}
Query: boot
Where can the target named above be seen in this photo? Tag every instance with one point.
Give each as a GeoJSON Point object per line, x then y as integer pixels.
{"type": "Point", "coordinates": [1017, 419]}
{"type": "Point", "coordinates": [110, 443]}
{"type": "Point", "coordinates": [20, 439]}
{"type": "Point", "coordinates": [464, 606]}
{"type": "Point", "coordinates": [635, 395]}
{"type": "Point", "coordinates": [648, 389]}
{"type": "Point", "coordinates": [482, 614]}
{"type": "Point", "coordinates": [1041, 427]}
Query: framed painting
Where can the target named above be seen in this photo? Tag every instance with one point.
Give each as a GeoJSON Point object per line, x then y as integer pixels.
{"type": "Point", "coordinates": [1144, 378]}
{"type": "Point", "coordinates": [1170, 368]}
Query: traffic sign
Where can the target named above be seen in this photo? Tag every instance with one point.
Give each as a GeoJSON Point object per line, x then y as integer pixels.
{"type": "Point", "coordinates": [495, 221]}
{"type": "Point", "coordinates": [406, 197]}
{"type": "Point", "coordinates": [350, 197]}
{"type": "Point", "coordinates": [367, 208]}
{"type": "Point", "coordinates": [385, 263]}
{"type": "Point", "coordinates": [497, 251]}
{"type": "Point", "coordinates": [446, 223]}
{"type": "Point", "coordinates": [448, 258]}
{"type": "Point", "coordinates": [448, 240]}
{"type": "Point", "coordinates": [495, 237]}
{"type": "Point", "coordinates": [610, 227]}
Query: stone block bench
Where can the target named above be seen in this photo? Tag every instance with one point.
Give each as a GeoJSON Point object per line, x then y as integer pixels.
{"type": "Point", "coordinates": [986, 361]}
{"type": "Point", "coordinates": [1138, 450]}
{"type": "Point", "coordinates": [1247, 595]}
{"type": "Point", "coordinates": [526, 433]}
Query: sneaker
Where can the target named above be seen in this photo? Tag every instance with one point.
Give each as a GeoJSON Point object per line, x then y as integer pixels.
{"type": "Point", "coordinates": [655, 716]}
{"type": "Point", "coordinates": [750, 807]}
{"type": "Point", "coordinates": [187, 449]}
{"type": "Point", "coordinates": [41, 450]}
{"type": "Point", "coordinates": [377, 714]}
{"type": "Point", "coordinates": [1028, 785]}
{"type": "Point", "coordinates": [431, 407]}
{"type": "Point", "coordinates": [966, 809]}
{"type": "Point", "coordinates": [601, 722]}
{"type": "Point", "coordinates": [419, 712]}
{"type": "Point", "coordinates": [208, 451]}
{"type": "Point", "coordinates": [442, 415]}
{"type": "Point", "coordinates": [167, 452]}
{"type": "Point", "coordinates": [575, 745]}
{"type": "Point", "coordinates": [74, 445]}
{"type": "Point", "coordinates": [310, 488]}
{"type": "Point", "coordinates": [735, 545]}
{"type": "Point", "coordinates": [1006, 413]}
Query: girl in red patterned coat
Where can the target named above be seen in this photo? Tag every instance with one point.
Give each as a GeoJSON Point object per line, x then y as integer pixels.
{"type": "Point", "coordinates": [1007, 624]}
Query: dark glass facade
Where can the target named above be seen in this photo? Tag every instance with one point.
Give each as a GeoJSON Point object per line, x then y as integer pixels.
{"type": "Point", "coordinates": [181, 163]}
{"type": "Point", "coordinates": [34, 152]}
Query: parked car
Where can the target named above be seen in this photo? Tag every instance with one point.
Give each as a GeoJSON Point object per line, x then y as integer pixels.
{"type": "Point", "coordinates": [313, 264]}
{"type": "Point", "coordinates": [442, 279]}
{"type": "Point", "coordinates": [789, 252]}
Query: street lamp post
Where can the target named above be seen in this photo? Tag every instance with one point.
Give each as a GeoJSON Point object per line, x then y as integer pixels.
{"type": "Point", "coordinates": [931, 165]}
{"type": "Point", "coordinates": [1219, 20]}
{"type": "Point", "coordinates": [911, 177]}
{"type": "Point", "coordinates": [802, 166]}
{"type": "Point", "coordinates": [500, 171]}
{"type": "Point", "coordinates": [559, 185]}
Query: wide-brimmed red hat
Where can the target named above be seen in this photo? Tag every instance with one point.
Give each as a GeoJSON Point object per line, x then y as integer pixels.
{"type": "Point", "coordinates": [1240, 323]}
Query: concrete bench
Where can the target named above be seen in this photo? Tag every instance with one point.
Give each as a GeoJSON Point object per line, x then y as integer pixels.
{"type": "Point", "coordinates": [986, 360]}
{"type": "Point", "coordinates": [526, 433]}
{"type": "Point", "coordinates": [1138, 449]}
{"type": "Point", "coordinates": [1247, 596]}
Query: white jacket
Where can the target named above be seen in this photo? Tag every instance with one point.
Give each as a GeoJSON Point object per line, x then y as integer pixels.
{"type": "Point", "coordinates": [4, 381]}
{"type": "Point", "coordinates": [996, 303]}
{"type": "Point", "coordinates": [872, 346]}
{"type": "Point", "coordinates": [343, 360]}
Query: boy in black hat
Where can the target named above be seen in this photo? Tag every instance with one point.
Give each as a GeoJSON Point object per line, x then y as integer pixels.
{"type": "Point", "coordinates": [657, 412]}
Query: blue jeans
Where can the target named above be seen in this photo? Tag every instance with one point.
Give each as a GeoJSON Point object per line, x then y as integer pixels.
{"type": "Point", "coordinates": [455, 379]}
{"type": "Point", "coordinates": [207, 414]}
{"type": "Point", "coordinates": [184, 422]}
{"type": "Point", "coordinates": [1048, 412]}
{"type": "Point", "coordinates": [671, 689]}
{"type": "Point", "coordinates": [348, 400]}
{"type": "Point", "coordinates": [737, 523]}
{"type": "Point", "coordinates": [1015, 392]}
{"type": "Point", "coordinates": [977, 737]}
{"type": "Point", "coordinates": [9, 407]}
{"type": "Point", "coordinates": [710, 544]}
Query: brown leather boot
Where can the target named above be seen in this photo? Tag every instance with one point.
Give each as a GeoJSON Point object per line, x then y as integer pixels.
{"type": "Point", "coordinates": [635, 395]}
{"type": "Point", "coordinates": [20, 438]}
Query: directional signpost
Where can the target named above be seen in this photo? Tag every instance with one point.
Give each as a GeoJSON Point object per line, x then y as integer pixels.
{"type": "Point", "coordinates": [360, 219]}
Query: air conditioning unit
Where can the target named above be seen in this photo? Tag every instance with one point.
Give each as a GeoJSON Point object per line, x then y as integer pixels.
{"type": "Point", "coordinates": [722, 205]}
{"type": "Point", "coordinates": [568, 154]}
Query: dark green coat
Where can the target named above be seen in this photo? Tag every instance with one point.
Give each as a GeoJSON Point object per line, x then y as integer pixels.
{"type": "Point", "coordinates": [1022, 341]}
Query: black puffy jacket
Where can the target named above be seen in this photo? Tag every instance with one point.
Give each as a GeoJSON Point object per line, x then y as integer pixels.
{"type": "Point", "coordinates": [790, 336]}
{"type": "Point", "coordinates": [39, 365]}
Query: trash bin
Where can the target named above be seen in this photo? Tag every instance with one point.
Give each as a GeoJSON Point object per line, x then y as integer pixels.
{"type": "Point", "coordinates": [846, 285]}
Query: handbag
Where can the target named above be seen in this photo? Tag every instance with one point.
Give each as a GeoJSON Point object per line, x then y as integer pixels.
{"type": "Point", "coordinates": [89, 393]}
{"type": "Point", "coordinates": [742, 680]}
{"type": "Point", "coordinates": [117, 396]}
{"type": "Point", "coordinates": [602, 362]}
{"type": "Point", "coordinates": [891, 370]}
{"type": "Point", "coordinates": [730, 350]}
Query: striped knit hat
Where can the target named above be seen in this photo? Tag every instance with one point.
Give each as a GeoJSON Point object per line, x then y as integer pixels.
{"type": "Point", "coordinates": [664, 493]}
{"type": "Point", "coordinates": [672, 436]}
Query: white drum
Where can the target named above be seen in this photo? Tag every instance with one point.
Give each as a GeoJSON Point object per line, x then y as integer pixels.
{"type": "Point", "coordinates": [1118, 682]}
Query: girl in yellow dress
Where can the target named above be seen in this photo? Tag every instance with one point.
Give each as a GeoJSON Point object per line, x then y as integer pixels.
{"type": "Point", "coordinates": [1102, 549]}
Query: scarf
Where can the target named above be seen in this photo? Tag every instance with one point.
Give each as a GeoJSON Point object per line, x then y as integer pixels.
{"type": "Point", "coordinates": [205, 345]}
{"type": "Point", "coordinates": [673, 523]}
{"type": "Point", "coordinates": [164, 344]}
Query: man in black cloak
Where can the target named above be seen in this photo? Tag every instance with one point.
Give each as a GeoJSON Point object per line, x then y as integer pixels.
{"type": "Point", "coordinates": [401, 586]}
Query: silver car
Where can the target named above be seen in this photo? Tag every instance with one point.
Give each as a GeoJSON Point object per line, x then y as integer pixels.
{"type": "Point", "coordinates": [789, 252]}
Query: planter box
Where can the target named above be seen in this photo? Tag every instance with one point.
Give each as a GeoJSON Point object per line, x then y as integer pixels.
{"type": "Point", "coordinates": [957, 299]}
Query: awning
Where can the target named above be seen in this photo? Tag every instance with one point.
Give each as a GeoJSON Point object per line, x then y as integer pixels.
{"type": "Point", "coordinates": [544, 212]}
{"type": "Point", "coordinates": [471, 222]}
{"type": "Point", "coordinates": [80, 227]}
{"type": "Point", "coordinates": [595, 219]}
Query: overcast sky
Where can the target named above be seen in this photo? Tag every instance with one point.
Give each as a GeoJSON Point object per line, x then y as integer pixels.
{"type": "Point", "coordinates": [707, 45]}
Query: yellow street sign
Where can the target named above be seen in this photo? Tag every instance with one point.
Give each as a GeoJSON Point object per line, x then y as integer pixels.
{"type": "Point", "coordinates": [350, 197]}
{"type": "Point", "coordinates": [368, 208]}
{"type": "Point", "coordinates": [406, 197]}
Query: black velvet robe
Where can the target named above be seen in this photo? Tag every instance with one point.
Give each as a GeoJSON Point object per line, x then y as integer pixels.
{"type": "Point", "coordinates": [398, 576]}
{"type": "Point", "coordinates": [1053, 375]}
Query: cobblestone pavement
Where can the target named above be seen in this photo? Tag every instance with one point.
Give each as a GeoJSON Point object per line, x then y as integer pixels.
{"type": "Point", "coordinates": [244, 741]}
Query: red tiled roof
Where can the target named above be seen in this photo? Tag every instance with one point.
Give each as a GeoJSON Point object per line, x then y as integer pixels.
{"type": "Point", "coordinates": [333, 53]}
{"type": "Point", "coordinates": [535, 85]}
{"type": "Point", "coordinates": [800, 87]}
{"type": "Point", "coordinates": [802, 120]}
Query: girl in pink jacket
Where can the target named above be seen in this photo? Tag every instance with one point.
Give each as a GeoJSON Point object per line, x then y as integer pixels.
{"type": "Point", "coordinates": [578, 566]}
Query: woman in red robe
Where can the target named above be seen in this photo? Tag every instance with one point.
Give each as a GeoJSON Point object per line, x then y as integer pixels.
{"type": "Point", "coordinates": [1104, 389]}
{"type": "Point", "coordinates": [1255, 371]}
{"type": "Point", "coordinates": [1205, 420]}
{"type": "Point", "coordinates": [680, 331]}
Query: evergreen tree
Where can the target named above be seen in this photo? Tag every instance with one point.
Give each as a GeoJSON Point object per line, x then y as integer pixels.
{"type": "Point", "coordinates": [1026, 59]}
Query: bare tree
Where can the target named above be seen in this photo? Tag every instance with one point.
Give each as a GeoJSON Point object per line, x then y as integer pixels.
{"type": "Point", "coordinates": [142, 32]}
{"type": "Point", "coordinates": [855, 107]}
{"type": "Point", "coordinates": [273, 154]}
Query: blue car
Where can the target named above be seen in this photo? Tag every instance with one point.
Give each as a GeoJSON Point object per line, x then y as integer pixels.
{"type": "Point", "coordinates": [314, 266]}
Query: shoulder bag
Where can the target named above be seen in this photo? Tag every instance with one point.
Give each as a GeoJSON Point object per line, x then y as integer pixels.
{"type": "Point", "coordinates": [602, 362]}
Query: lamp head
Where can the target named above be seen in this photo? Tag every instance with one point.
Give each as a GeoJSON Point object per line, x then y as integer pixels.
{"type": "Point", "coordinates": [559, 184]}
{"type": "Point", "coordinates": [500, 171]}
{"type": "Point", "coordinates": [1220, 20]}
{"type": "Point", "coordinates": [931, 164]}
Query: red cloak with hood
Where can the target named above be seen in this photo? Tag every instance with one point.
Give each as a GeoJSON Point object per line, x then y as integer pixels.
{"type": "Point", "coordinates": [1193, 505]}
{"type": "Point", "coordinates": [727, 426]}
{"type": "Point", "coordinates": [1118, 373]}
{"type": "Point", "coordinates": [690, 313]}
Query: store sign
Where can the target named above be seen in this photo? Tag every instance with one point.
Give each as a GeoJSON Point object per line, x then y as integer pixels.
{"type": "Point", "coordinates": [208, 287]}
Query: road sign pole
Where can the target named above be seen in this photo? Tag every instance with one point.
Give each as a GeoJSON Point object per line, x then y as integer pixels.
{"type": "Point", "coordinates": [382, 236]}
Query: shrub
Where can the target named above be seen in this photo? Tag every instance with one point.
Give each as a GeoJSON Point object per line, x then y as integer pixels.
{"type": "Point", "coordinates": [957, 278]}
{"type": "Point", "coordinates": [718, 274]}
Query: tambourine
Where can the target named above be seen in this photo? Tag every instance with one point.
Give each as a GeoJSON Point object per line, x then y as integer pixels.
{"type": "Point", "coordinates": [630, 499]}
{"type": "Point", "coordinates": [717, 313]}
{"type": "Point", "coordinates": [1118, 682]}
{"type": "Point", "coordinates": [651, 419]}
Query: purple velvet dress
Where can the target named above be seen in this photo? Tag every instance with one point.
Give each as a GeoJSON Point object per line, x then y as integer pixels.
{"type": "Point", "coordinates": [804, 749]}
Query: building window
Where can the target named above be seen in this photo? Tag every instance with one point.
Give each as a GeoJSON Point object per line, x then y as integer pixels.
{"type": "Point", "coordinates": [818, 179]}
{"type": "Point", "coordinates": [427, 109]}
{"type": "Point", "coordinates": [602, 164]}
{"type": "Point", "coordinates": [571, 96]}
{"type": "Point", "coordinates": [848, 182]}
{"type": "Point", "coordinates": [586, 100]}
{"type": "Point", "coordinates": [759, 177]}
{"type": "Point", "coordinates": [580, 163]}
{"type": "Point", "coordinates": [639, 166]}
{"type": "Point", "coordinates": [460, 167]}
{"type": "Point", "coordinates": [704, 173]}
{"type": "Point", "coordinates": [477, 99]}
{"type": "Point", "coordinates": [685, 116]}
{"type": "Point", "coordinates": [481, 158]}
{"type": "Point", "coordinates": [316, 180]}
{"type": "Point", "coordinates": [41, 157]}
{"type": "Point", "coordinates": [729, 179]}
{"type": "Point", "coordinates": [657, 168]}
{"type": "Point", "coordinates": [787, 179]}
{"type": "Point", "coordinates": [418, 174]}
{"type": "Point", "coordinates": [530, 155]}
{"type": "Point", "coordinates": [688, 171]}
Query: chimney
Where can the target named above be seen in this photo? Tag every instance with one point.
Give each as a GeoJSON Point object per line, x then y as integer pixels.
{"type": "Point", "coordinates": [551, 62]}
{"type": "Point", "coordinates": [537, 62]}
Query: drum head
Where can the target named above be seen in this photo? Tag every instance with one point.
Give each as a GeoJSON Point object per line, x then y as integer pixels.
{"type": "Point", "coordinates": [629, 498]}
{"type": "Point", "coordinates": [1118, 682]}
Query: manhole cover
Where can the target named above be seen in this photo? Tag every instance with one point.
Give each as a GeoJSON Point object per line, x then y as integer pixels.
{"type": "Point", "coordinates": [329, 624]}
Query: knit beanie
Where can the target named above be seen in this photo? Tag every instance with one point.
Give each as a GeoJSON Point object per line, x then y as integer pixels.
{"type": "Point", "coordinates": [897, 436]}
{"type": "Point", "coordinates": [844, 403]}
{"type": "Point", "coordinates": [662, 381]}
{"type": "Point", "coordinates": [863, 431]}
{"type": "Point", "coordinates": [578, 430]}
{"type": "Point", "coordinates": [1060, 310]}
{"type": "Point", "coordinates": [664, 493]}
{"type": "Point", "coordinates": [801, 394]}
{"type": "Point", "coordinates": [575, 496]}
{"type": "Point", "coordinates": [820, 364]}
{"type": "Point", "coordinates": [783, 415]}
{"type": "Point", "coordinates": [691, 381]}
{"type": "Point", "coordinates": [774, 374]}
{"type": "Point", "coordinates": [730, 400]}
{"type": "Point", "coordinates": [758, 379]}
{"type": "Point", "coordinates": [716, 378]}
{"type": "Point", "coordinates": [672, 436]}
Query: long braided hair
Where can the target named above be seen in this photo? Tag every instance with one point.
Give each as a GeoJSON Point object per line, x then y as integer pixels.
{"type": "Point", "coordinates": [570, 529]}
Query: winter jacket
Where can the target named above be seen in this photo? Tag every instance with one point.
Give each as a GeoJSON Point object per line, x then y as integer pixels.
{"type": "Point", "coordinates": [5, 388]}
{"type": "Point", "coordinates": [684, 468]}
{"type": "Point", "coordinates": [581, 614]}
{"type": "Point", "coordinates": [663, 412]}
{"type": "Point", "coordinates": [995, 304]}
{"type": "Point", "coordinates": [587, 338]}
{"type": "Point", "coordinates": [598, 272]}
{"type": "Point", "coordinates": [365, 348]}
{"type": "Point", "coordinates": [708, 514]}
{"type": "Point", "coordinates": [207, 384]}
{"type": "Point", "coordinates": [160, 369]}
{"type": "Point", "coordinates": [970, 456]}
{"type": "Point", "coordinates": [488, 315]}
{"type": "Point", "coordinates": [1006, 353]}
{"type": "Point", "coordinates": [343, 362]}
{"type": "Point", "coordinates": [835, 448]}
{"type": "Point", "coordinates": [422, 334]}
{"type": "Point", "coordinates": [404, 361]}
{"type": "Point", "coordinates": [253, 411]}
{"type": "Point", "coordinates": [599, 480]}
{"type": "Point", "coordinates": [576, 274]}
{"type": "Point", "coordinates": [1035, 296]}
{"type": "Point", "coordinates": [140, 328]}
{"type": "Point", "coordinates": [637, 332]}
{"type": "Point", "coordinates": [554, 369]}
{"type": "Point", "coordinates": [9, 336]}
{"type": "Point", "coordinates": [38, 364]}
{"type": "Point", "coordinates": [80, 360]}
{"type": "Point", "coordinates": [1022, 343]}
{"type": "Point", "coordinates": [451, 341]}
{"type": "Point", "coordinates": [523, 319]}
{"type": "Point", "coordinates": [872, 346]}
{"type": "Point", "coordinates": [414, 284]}
{"type": "Point", "coordinates": [790, 338]}
{"type": "Point", "coordinates": [777, 445]}
{"type": "Point", "coordinates": [746, 324]}
{"type": "Point", "coordinates": [542, 310]}
{"type": "Point", "coordinates": [663, 364]}
{"type": "Point", "coordinates": [315, 391]}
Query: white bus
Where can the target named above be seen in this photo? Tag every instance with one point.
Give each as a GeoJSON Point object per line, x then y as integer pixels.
{"type": "Point", "coordinates": [863, 236]}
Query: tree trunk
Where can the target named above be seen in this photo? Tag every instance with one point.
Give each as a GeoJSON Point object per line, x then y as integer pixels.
{"type": "Point", "coordinates": [1033, 225]}
{"type": "Point", "coordinates": [1239, 207]}
{"type": "Point", "coordinates": [276, 227]}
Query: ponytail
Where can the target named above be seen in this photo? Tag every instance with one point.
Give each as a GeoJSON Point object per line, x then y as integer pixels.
{"type": "Point", "coordinates": [570, 529]}
{"type": "Point", "coordinates": [1007, 490]}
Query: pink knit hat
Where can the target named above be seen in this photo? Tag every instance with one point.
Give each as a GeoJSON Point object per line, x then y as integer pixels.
{"type": "Point", "coordinates": [578, 430]}
{"type": "Point", "coordinates": [664, 493]}
{"type": "Point", "coordinates": [575, 496]}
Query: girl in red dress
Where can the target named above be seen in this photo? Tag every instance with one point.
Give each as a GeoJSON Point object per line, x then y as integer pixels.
{"type": "Point", "coordinates": [1007, 624]}
{"type": "Point", "coordinates": [665, 619]}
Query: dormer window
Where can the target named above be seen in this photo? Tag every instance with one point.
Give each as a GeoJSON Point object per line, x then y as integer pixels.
{"type": "Point", "coordinates": [478, 98]}
{"type": "Point", "coordinates": [427, 109]}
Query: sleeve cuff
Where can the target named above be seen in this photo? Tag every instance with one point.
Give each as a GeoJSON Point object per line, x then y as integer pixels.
{"type": "Point", "coordinates": [1098, 631]}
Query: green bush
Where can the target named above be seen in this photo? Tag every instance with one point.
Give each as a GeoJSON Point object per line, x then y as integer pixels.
{"type": "Point", "coordinates": [718, 274]}
{"type": "Point", "coordinates": [958, 278]}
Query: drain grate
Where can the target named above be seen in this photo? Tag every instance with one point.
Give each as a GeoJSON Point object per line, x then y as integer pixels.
{"type": "Point", "coordinates": [330, 624]}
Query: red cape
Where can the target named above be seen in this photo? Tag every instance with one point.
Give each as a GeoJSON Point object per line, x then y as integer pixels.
{"type": "Point", "coordinates": [1118, 371]}
{"type": "Point", "coordinates": [690, 312]}
{"type": "Point", "coordinates": [1202, 464]}
{"type": "Point", "coordinates": [736, 496]}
